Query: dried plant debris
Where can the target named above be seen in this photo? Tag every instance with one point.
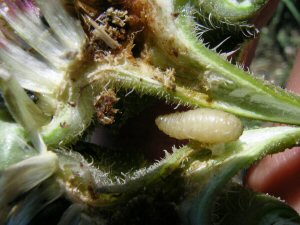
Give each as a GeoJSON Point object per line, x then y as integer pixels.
{"type": "Point", "coordinates": [104, 104]}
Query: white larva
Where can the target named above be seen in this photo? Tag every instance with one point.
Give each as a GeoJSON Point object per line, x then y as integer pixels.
{"type": "Point", "coordinates": [204, 125]}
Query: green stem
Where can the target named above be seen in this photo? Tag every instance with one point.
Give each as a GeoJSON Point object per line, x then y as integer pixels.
{"type": "Point", "coordinates": [101, 190]}
{"type": "Point", "coordinates": [144, 79]}
{"type": "Point", "coordinates": [147, 176]}
{"type": "Point", "coordinates": [228, 87]}
{"type": "Point", "coordinates": [237, 88]}
{"type": "Point", "coordinates": [231, 10]}
{"type": "Point", "coordinates": [212, 175]}
{"type": "Point", "coordinates": [71, 119]}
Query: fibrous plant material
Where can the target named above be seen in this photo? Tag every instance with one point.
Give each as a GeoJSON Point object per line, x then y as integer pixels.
{"type": "Point", "coordinates": [75, 57]}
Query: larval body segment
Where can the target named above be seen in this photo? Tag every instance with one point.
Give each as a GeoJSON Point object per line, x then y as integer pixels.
{"type": "Point", "coordinates": [204, 125]}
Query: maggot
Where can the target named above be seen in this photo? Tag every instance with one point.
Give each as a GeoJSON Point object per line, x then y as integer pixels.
{"type": "Point", "coordinates": [204, 125]}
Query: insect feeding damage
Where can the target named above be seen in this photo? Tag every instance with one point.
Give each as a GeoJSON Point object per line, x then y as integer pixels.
{"type": "Point", "coordinates": [104, 104]}
{"type": "Point", "coordinates": [108, 28]}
